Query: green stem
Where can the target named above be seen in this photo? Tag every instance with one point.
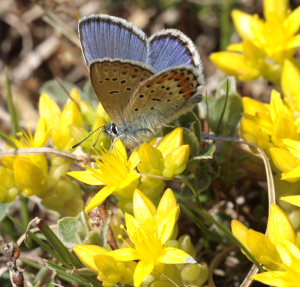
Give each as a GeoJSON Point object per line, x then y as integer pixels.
{"type": "Point", "coordinates": [226, 26]}
{"type": "Point", "coordinates": [11, 107]}
{"type": "Point", "coordinates": [224, 107]}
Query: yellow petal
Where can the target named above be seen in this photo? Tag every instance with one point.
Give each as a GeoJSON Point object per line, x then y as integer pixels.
{"type": "Point", "coordinates": [32, 180]}
{"type": "Point", "coordinates": [279, 226]}
{"type": "Point", "coordinates": [171, 255]}
{"type": "Point", "coordinates": [293, 43]}
{"type": "Point", "coordinates": [240, 231]}
{"type": "Point", "coordinates": [175, 161]}
{"type": "Point", "coordinates": [293, 146]}
{"type": "Point", "coordinates": [128, 185]}
{"type": "Point", "coordinates": [274, 278]}
{"type": "Point", "coordinates": [86, 253]}
{"type": "Point", "coordinates": [119, 150]}
{"type": "Point", "coordinates": [71, 115]}
{"type": "Point", "coordinates": [292, 22]}
{"type": "Point", "coordinates": [167, 203]}
{"type": "Point", "coordinates": [41, 134]}
{"type": "Point", "coordinates": [49, 110]}
{"type": "Point", "coordinates": [132, 226]}
{"type": "Point", "coordinates": [151, 159]}
{"type": "Point", "coordinates": [242, 21]}
{"type": "Point", "coordinates": [293, 199]}
{"type": "Point", "coordinates": [238, 47]}
{"type": "Point", "coordinates": [276, 105]}
{"type": "Point", "coordinates": [167, 214]}
{"type": "Point", "coordinates": [235, 64]}
{"type": "Point", "coordinates": [254, 107]}
{"type": "Point", "coordinates": [86, 176]}
{"type": "Point", "coordinates": [134, 159]}
{"type": "Point", "coordinates": [171, 141]}
{"type": "Point", "coordinates": [166, 225]}
{"type": "Point", "coordinates": [290, 83]}
{"type": "Point", "coordinates": [105, 263]}
{"type": "Point", "coordinates": [99, 198]}
{"type": "Point", "coordinates": [124, 254]}
{"type": "Point", "coordinates": [75, 95]}
{"type": "Point", "coordinates": [262, 248]}
{"type": "Point", "coordinates": [292, 175]}
{"type": "Point", "coordinates": [283, 159]}
{"type": "Point", "coordinates": [275, 9]}
{"type": "Point", "coordinates": [289, 253]}
{"type": "Point", "coordinates": [142, 271]}
{"type": "Point", "coordinates": [144, 210]}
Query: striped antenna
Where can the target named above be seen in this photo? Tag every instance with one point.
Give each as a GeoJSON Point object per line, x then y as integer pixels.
{"type": "Point", "coordinates": [91, 133]}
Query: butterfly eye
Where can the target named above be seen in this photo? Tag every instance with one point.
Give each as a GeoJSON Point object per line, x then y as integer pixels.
{"type": "Point", "coordinates": [114, 129]}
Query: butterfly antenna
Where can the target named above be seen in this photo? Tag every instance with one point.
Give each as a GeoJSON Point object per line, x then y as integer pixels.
{"type": "Point", "coordinates": [90, 134]}
{"type": "Point", "coordinates": [96, 141]}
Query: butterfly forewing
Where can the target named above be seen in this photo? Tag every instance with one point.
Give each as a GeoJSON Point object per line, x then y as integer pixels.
{"type": "Point", "coordinates": [163, 97]}
{"type": "Point", "coordinates": [114, 82]}
{"type": "Point", "coordinates": [104, 36]}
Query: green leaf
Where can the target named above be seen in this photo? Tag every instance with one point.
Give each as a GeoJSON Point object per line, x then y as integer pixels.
{"type": "Point", "coordinates": [4, 207]}
{"type": "Point", "coordinates": [75, 230]}
{"type": "Point", "coordinates": [67, 230]}
{"type": "Point", "coordinates": [44, 245]}
{"type": "Point", "coordinates": [66, 256]}
{"type": "Point", "coordinates": [89, 94]}
{"type": "Point", "coordinates": [65, 275]}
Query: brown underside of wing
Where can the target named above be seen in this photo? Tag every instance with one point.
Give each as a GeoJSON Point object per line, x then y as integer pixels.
{"type": "Point", "coordinates": [162, 94]}
{"type": "Point", "coordinates": [114, 82]}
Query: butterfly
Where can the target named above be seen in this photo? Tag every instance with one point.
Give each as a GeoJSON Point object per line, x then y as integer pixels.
{"type": "Point", "coordinates": [142, 83]}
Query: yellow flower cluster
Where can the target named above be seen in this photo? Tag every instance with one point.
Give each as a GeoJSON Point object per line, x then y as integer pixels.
{"type": "Point", "coordinates": [266, 43]}
{"type": "Point", "coordinates": [43, 178]}
{"type": "Point", "coordinates": [278, 252]}
{"type": "Point", "coordinates": [275, 127]}
{"type": "Point", "coordinates": [146, 251]}
{"type": "Point", "coordinates": [120, 175]}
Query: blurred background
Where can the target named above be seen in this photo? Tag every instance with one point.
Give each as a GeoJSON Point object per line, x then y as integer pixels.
{"type": "Point", "coordinates": [38, 40]}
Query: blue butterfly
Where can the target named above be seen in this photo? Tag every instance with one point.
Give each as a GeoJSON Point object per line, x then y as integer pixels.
{"type": "Point", "coordinates": [143, 84]}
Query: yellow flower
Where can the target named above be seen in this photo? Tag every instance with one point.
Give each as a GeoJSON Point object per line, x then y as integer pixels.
{"type": "Point", "coordinates": [268, 124]}
{"type": "Point", "coordinates": [114, 171]}
{"type": "Point", "coordinates": [290, 83]}
{"type": "Point", "coordinates": [275, 128]}
{"type": "Point", "coordinates": [289, 273]}
{"type": "Point", "coordinates": [8, 190]}
{"type": "Point", "coordinates": [149, 230]}
{"type": "Point", "coordinates": [120, 175]}
{"type": "Point", "coordinates": [168, 159]}
{"type": "Point", "coordinates": [174, 152]}
{"type": "Point", "coordinates": [110, 271]}
{"type": "Point", "coordinates": [33, 180]}
{"type": "Point", "coordinates": [267, 43]}
{"type": "Point", "coordinates": [278, 251]}
{"type": "Point", "coordinates": [293, 199]}
{"type": "Point", "coordinates": [60, 122]}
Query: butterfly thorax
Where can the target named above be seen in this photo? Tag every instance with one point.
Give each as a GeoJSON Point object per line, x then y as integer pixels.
{"type": "Point", "coordinates": [126, 132]}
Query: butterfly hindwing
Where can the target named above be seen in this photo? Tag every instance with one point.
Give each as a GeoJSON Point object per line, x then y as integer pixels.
{"type": "Point", "coordinates": [104, 36]}
{"type": "Point", "coordinates": [114, 82]}
{"type": "Point", "coordinates": [163, 97]}
{"type": "Point", "coordinates": [169, 48]}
